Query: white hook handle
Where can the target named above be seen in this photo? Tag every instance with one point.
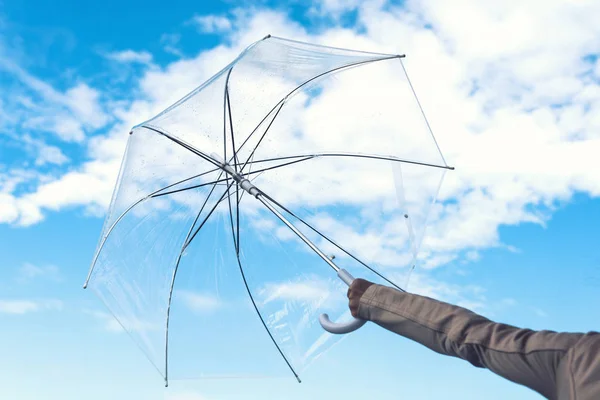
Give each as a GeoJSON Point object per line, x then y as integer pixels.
{"type": "Point", "coordinates": [344, 327]}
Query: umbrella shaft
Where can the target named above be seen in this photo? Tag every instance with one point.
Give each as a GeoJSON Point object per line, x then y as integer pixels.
{"type": "Point", "coordinates": [310, 244]}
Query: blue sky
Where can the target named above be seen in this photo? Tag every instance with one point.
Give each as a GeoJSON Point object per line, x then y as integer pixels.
{"type": "Point", "coordinates": [517, 241]}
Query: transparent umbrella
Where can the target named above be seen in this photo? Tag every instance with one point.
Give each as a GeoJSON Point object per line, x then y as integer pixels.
{"type": "Point", "coordinates": [242, 211]}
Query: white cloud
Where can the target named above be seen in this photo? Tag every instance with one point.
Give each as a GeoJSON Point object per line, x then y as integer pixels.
{"type": "Point", "coordinates": [212, 23]}
{"type": "Point", "coordinates": [68, 190]}
{"type": "Point", "coordinates": [6, 118]}
{"type": "Point", "coordinates": [170, 42]}
{"type": "Point", "coordinates": [130, 56]}
{"type": "Point", "coordinates": [9, 212]}
{"type": "Point", "coordinates": [473, 255]}
{"type": "Point", "coordinates": [91, 187]}
{"type": "Point", "coordinates": [29, 272]}
{"type": "Point", "coordinates": [66, 114]}
{"type": "Point", "coordinates": [84, 103]}
{"type": "Point", "coordinates": [10, 180]}
{"type": "Point", "coordinates": [296, 291]}
{"type": "Point", "coordinates": [311, 292]}
{"type": "Point", "coordinates": [471, 297]}
{"type": "Point", "coordinates": [50, 155]}
{"type": "Point", "coordinates": [44, 153]}
{"type": "Point", "coordinates": [17, 306]}
{"type": "Point", "coordinates": [509, 302]}
{"type": "Point", "coordinates": [333, 8]}
{"type": "Point", "coordinates": [199, 302]}
{"type": "Point", "coordinates": [28, 306]}
{"type": "Point", "coordinates": [111, 324]}
{"type": "Point", "coordinates": [539, 312]}
{"type": "Point", "coordinates": [61, 124]}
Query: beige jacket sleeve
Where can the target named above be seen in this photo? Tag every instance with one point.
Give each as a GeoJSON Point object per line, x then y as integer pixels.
{"type": "Point", "coordinates": [556, 365]}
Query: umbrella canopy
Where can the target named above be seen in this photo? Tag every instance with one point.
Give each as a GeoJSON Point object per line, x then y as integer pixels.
{"type": "Point", "coordinates": [231, 203]}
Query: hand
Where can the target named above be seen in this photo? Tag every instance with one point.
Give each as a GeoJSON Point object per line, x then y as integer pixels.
{"type": "Point", "coordinates": [355, 292]}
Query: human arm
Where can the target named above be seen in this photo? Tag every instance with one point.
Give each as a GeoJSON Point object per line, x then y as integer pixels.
{"type": "Point", "coordinates": [523, 356]}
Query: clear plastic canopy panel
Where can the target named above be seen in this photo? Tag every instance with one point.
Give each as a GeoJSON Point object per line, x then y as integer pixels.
{"type": "Point", "coordinates": [205, 279]}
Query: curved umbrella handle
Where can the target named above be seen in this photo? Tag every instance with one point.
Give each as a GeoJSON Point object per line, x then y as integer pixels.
{"type": "Point", "coordinates": [341, 328]}
{"type": "Point", "coordinates": [344, 327]}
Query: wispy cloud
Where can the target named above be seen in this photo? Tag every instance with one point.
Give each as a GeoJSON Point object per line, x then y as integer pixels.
{"type": "Point", "coordinates": [10, 180]}
{"type": "Point", "coordinates": [28, 306]}
{"type": "Point", "coordinates": [198, 302]}
{"type": "Point", "coordinates": [28, 272]}
{"type": "Point", "coordinates": [508, 302]}
{"type": "Point", "coordinates": [111, 324]}
{"type": "Point", "coordinates": [471, 297]}
{"type": "Point", "coordinates": [539, 312]}
{"type": "Point", "coordinates": [212, 23]}
{"type": "Point", "coordinates": [130, 56]}
{"type": "Point", "coordinates": [312, 292]}
{"type": "Point", "coordinates": [333, 8]}
{"type": "Point", "coordinates": [296, 291]}
{"type": "Point", "coordinates": [170, 42]}
{"type": "Point", "coordinates": [67, 114]}
{"type": "Point", "coordinates": [44, 153]}
{"type": "Point", "coordinates": [472, 256]}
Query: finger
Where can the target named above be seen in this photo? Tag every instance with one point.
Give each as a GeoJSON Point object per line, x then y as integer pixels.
{"type": "Point", "coordinates": [354, 305]}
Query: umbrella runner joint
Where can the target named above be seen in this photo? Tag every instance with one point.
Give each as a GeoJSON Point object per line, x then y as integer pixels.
{"type": "Point", "coordinates": [240, 180]}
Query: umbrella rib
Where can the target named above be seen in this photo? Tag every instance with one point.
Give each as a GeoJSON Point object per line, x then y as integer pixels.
{"type": "Point", "coordinates": [235, 158]}
{"type": "Point", "coordinates": [236, 238]}
{"type": "Point", "coordinates": [237, 253]}
{"type": "Point", "coordinates": [331, 241]}
{"type": "Point", "coordinates": [422, 111]}
{"type": "Point", "coordinates": [329, 48]}
{"type": "Point", "coordinates": [227, 114]}
{"type": "Point", "coordinates": [245, 284]}
{"type": "Point", "coordinates": [182, 181]}
{"type": "Point", "coordinates": [263, 135]}
{"type": "Point", "coordinates": [306, 157]}
{"type": "Point", "coordinates": [262, 319]}
{"type": "Point", "coordinates": [124, 213]}
{"type": "Point", "coordinates": [197, 152]}
{"type": "Point", "coordinates": [184, 145]}
{"type": "Point", "coordinates": [235, 243]}
{"type": "Point", "coordinates": [183, 247]}
{"type": "Point", "coordinates": [237, 216]}
{"type": "Point", "coordinates": [190, 187]}
{"type": "Point", "coordinates": [260, 171]}
{"type": "Point", "coordinates": [282, 101]}
{"type": "Point", "coordinates": [208, 216]}
{"type": "Point", "coordinates": [259, 124]}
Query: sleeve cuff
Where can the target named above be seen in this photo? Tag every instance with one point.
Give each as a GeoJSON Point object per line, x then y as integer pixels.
{"type": "Point", "coordinates": [366, 301]}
